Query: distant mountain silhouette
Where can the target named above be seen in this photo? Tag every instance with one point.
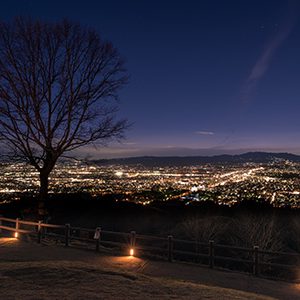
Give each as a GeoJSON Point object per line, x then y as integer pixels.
{"type": "Point", "coordinates": [152, 161]}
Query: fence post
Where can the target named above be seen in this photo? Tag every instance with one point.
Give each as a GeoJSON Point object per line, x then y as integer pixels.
{"type": "Point", "coordinates": [39, 232]}
{"type": "Point", "coordinates": [17, 228]}
{"type": "Point", "coordinates": [255, 261]}
{"type": "Point", "coordinates": [67, 235]}
{"type": "Point", "coordinates": [132, 239]}
{"type": "Point", "coordinates": [197, 250]}
{"type": "Point", "coordinates": [97, 237]}
{"type": "Point", "coordinates": [45, 228]}
{"type": "Point", "coordinates": [170, 248]}
{"type": "Point", "coordinates": [211, 254]}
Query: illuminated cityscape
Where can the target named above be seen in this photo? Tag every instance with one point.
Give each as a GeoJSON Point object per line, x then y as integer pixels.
{"type": "Point", "coordinates": [277, 182]}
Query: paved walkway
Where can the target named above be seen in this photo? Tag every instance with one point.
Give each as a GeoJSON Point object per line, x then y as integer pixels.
{"type": "Point", "coordinates": [12, 250]}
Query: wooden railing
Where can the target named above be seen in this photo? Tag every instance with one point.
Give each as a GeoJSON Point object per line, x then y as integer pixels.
{"type": "Point", "coordinates": [253, 260]}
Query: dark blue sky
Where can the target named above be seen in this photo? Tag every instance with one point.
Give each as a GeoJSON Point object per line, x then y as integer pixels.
{"type": "Point", "coordinates": [221, 76]}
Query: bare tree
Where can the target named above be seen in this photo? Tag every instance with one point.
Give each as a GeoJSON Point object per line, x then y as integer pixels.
{"type": "Point", "coordinates": [203, 229]}
{"type": "Point", "coordinates": [294, 232]}
{"type": "Point", "coordinates": [58, 82]}
{"type": "Point", "coordinates": [258, 230]}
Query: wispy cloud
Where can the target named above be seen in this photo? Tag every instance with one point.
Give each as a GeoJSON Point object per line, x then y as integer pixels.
{"type": "Point", "coordinates": [129, 143]}
{"type": "Point", "coordinates": [263, 62]}
{"type": "Point", "coordinates": [203, 132]}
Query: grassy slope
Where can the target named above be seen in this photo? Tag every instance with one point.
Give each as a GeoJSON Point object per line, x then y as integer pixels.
{"type": "Point", "coordinates": [32, 271]}
{"type": "Point", "coordinates": [82, 280]}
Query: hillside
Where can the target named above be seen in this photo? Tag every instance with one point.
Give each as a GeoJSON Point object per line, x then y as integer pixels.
{"type": "Point", "coordinates": [36, 271]}
{"type": "Point", "coordinates": [153, 161]}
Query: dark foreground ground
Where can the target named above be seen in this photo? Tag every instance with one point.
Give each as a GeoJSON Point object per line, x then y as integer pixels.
{"type": "Point", "coordinates": [32, 271]}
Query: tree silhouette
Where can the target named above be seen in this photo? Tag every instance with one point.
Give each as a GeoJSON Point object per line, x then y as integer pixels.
{"type": "Point", "coordinates": [58, 86]}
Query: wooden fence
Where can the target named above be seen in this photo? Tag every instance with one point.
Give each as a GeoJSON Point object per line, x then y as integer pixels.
{"type": "Point", "coordinates": [252, 260]}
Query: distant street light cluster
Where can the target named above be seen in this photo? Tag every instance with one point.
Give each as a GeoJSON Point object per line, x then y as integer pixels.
{"type": "Point", "coordinates": [276, 182]}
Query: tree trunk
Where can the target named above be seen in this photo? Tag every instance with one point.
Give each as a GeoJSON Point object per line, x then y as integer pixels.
{"type": "Point", "coordinates": [43, 194]}
{"type": "Point", "coordinates": [44, 183]}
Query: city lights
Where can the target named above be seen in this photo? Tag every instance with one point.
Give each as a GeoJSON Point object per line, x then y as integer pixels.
{"type": "Point", "coordinates": [276, 182]}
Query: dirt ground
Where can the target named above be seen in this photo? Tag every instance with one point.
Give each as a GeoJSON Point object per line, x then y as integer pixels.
{"type": "Point", "coordinates": [32, 271]}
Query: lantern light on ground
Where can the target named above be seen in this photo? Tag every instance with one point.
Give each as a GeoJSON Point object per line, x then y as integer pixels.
{"type": "Point", "coordinates": [131, 252]}
{"type": "Point", "coordinates": [16, 235]}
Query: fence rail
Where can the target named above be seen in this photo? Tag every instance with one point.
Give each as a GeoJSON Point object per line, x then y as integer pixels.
{"type": "Point", "coordinates": [214, 255]}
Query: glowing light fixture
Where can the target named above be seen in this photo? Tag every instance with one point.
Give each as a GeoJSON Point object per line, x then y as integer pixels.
{"type": "Point", "coordinates": [16, 235]}
{"type": "Point", "coordinates": [131, 252]}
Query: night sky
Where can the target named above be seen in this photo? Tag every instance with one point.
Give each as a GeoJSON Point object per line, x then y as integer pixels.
{"type": "Point", "coordinates": [206, 77]}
